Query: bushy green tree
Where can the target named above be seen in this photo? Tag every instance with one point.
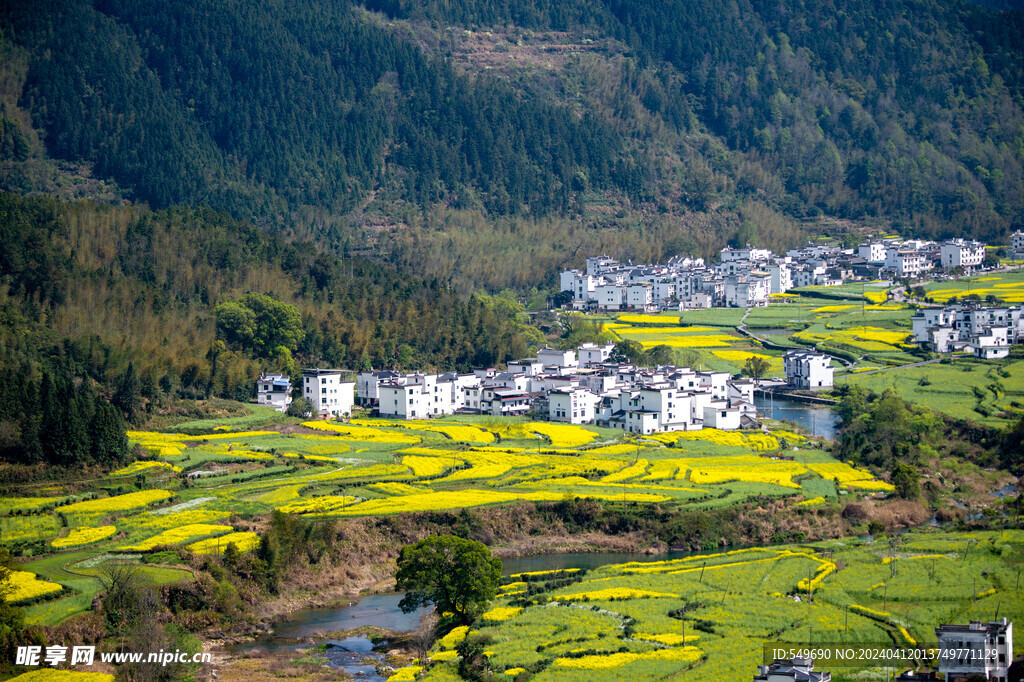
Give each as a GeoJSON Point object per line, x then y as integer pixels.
{"type": "Point", "coordinates": [260, 324]}
{"type": "Point", "coordinates": [453, 574]}
{"type": "Point", "coordinates": [906, 481]}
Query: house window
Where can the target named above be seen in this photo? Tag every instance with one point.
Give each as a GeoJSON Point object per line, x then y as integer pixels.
{"type": "Point", "coordinates": [323, 390]}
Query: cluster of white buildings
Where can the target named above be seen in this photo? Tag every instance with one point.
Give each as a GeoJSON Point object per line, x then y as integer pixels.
{"type": "Point", "coordinates": [916, 257]}
{"type": "Point", "coordinates": [986, 331]}
{"type": "Point", "coordinates": [749, 276]}
{"type": "Point", "coordinates": [745, 277]}
{"type": "Point", "coordinates": [575, 386]}
{"type": "Point", "coordinates": [329, 391]}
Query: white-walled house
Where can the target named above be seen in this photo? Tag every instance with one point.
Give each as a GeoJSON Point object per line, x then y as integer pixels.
{"type": "Point", "coordinates": [531, 367]}
{"type": "Point", "coordinates": [610, 296]}
{"type": "Point", "coordinates": [557, 358]}
{"type": "Point", "coordinates": [504, 402]}
{"type": "Point", "coordinates": [958, 253]}
{"type": "Point", "coordinates": [591, 353]}
{"type": "Point", "coordinates": [572, 405]}
{"type": "Point", "coordinates": [1017, 243]}
{"type": "Point", "coordinates": [741, 390]}
{"type": "Point", "coordinates": [716, 382]}
{"type": "Point", "coordinates": [906, 262]}
{"type": "Point", "coordinates": [639, 296]}
{"type": "Point", "coordinates": [670, 405]}
{"type": "Point", "coordinates": [991, 344]}
{"type": "Point", "coordinates": [274, 390]}
{"type": "Point", "coordinates": [367, 383]}
{"type": "Point", "coordinates": [807, 369]}
{"type": "Point", "coordinates": [331, 391]}
{"type": "Point", "coordinates": [720, 416]}
{"type": "Point", "coordinates": [873, 252]}
{"type": "Point", "coordinates": [972, 641]}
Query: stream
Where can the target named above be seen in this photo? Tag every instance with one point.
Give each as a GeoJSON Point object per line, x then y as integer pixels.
{"type": "Point", "coordinates": [355, 655]}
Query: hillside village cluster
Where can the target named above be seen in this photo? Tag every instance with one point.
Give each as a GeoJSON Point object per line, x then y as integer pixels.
{"type": "Point", "coordinates": [586, 385]}
{"type": "Point", "coordinates": [582, 386]}
{"type": "Point", "coordinates": [750, 276]}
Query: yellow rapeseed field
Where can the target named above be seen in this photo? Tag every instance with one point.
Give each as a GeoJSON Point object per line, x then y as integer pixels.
{"type": "Point", "coordinates": [244, 542]}
{"type": "Point", "coordinates": [24, 586]}
{"type": "Point", "coordinates": [143, 498]}
{"type": "Point", "coordinates": [362, 433]}
{"type": "Point", "coordinates": [178, 536]}
{"type": "Point", "coordinates": [144, 465]}
{"type": "Point", "coordinates": [562, 435]}
{"type": "Point", "coordinates": [84, 535]}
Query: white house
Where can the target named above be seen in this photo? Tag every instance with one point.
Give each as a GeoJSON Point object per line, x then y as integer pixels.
{"type": "Point", "coordinates": [504, 402]}
{"type": "Point", "coordinates": [791, 670]}
{"type": "Point", "coordinates": [749, 254]}
{"type": "Point", "coordinates": [991, 344]}
{"type": "Point", "coordinates": [973, 643]}
{"type": "Point", "coordinates": [715, 382]}
{"type": "Point", "coordinates": [610, 296]}
{"type": "Point", "coordinates": [719, 415]}
{"type": "Point", "coordinates": [807, 369]}
{"type": "Point", "coordinates": [531, 367]}
{"type": "Point", "coordinates": [781, 276]}
{"type": "Point", "coordinates": [670, 406]}
{"type": "Point", "coordinates": [331, 391]}
{"type": "Point", "coordinates": [558, 358]}
{"type": "Point", "coordinates": [957, 253]}
{"type": "Point", "coordinates": [274, 390]}
{"type": "Point", "coordinates": [597, 265]}
{"type": "Point", "coordinates": [402, 401]}
{"type": "Point", "coordinates": [906, 262]}
{"type": "Point", "coordinates": [639, 296]}
{"type": "Point", "coordinates": [572, 405]}
{"type": "Point", "coordinates": [591, 353]}
{"type": "Point", "coordinates": [638, 421]}
{"type": "Point", "coordinates": [1017, 244]}
{"type": "Point", "coordinates": [367, 383]}
{"type": "Point", "coordinates": [873, 252]}
{"type": "Point", "coordinates": [745, 291]}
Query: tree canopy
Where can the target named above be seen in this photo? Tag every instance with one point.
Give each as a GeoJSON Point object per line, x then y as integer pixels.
{"type": "Point", "coordinates": [455, 575]}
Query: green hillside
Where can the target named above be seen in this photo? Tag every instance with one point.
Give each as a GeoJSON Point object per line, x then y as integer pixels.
{"type": "Point", "coordinates": [462, 130]}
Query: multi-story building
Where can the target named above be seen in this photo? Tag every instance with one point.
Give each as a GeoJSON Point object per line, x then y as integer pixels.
{"type": "Point", "coordinates": [987, 330]}
{"type": "Point", "coordinates": [873, 252]}
{"type": "Point", "coordinates": [573, 405]}
{"type": "Point", "coordinates": [906, 262]}
{"type": "Point", "coordinates": [274, 390]}
{"type": "Point", "coordinates": [1017, 244]}
{"type": "Point", "coordinates": [970, 648]}
{"type": "Point", "coordinates": [745, 291]}
{"type": "Point", "coordinates": [957, 253]}
{"type": "Point", "coordinates": [807, 369]}
{"type": "Point", "coordinates": [592, 354]}
{"type": "Point", "coordinates": [332, 392]}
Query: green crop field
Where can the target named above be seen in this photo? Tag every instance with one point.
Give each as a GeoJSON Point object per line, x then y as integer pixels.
{"type": "Point", "coordinates": [706, 617]}
{"type": "Point", "coordinates": [373, 467]}
{"type": "Point", "coordinates": [988, 392]}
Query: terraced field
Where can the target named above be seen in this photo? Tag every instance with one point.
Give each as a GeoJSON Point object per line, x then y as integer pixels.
{"type": "Point", "coordinates": [201, 487]}
{"type": "Point", "coordinates": [706, 617]}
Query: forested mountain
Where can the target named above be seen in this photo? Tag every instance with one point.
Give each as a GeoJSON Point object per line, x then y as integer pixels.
{"type": "Point", "coordinates": [908, 110]}
{"type": "Point", "coordinates": [379, 125]}
{"type": "Point", "coordinates": [106, 306]}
